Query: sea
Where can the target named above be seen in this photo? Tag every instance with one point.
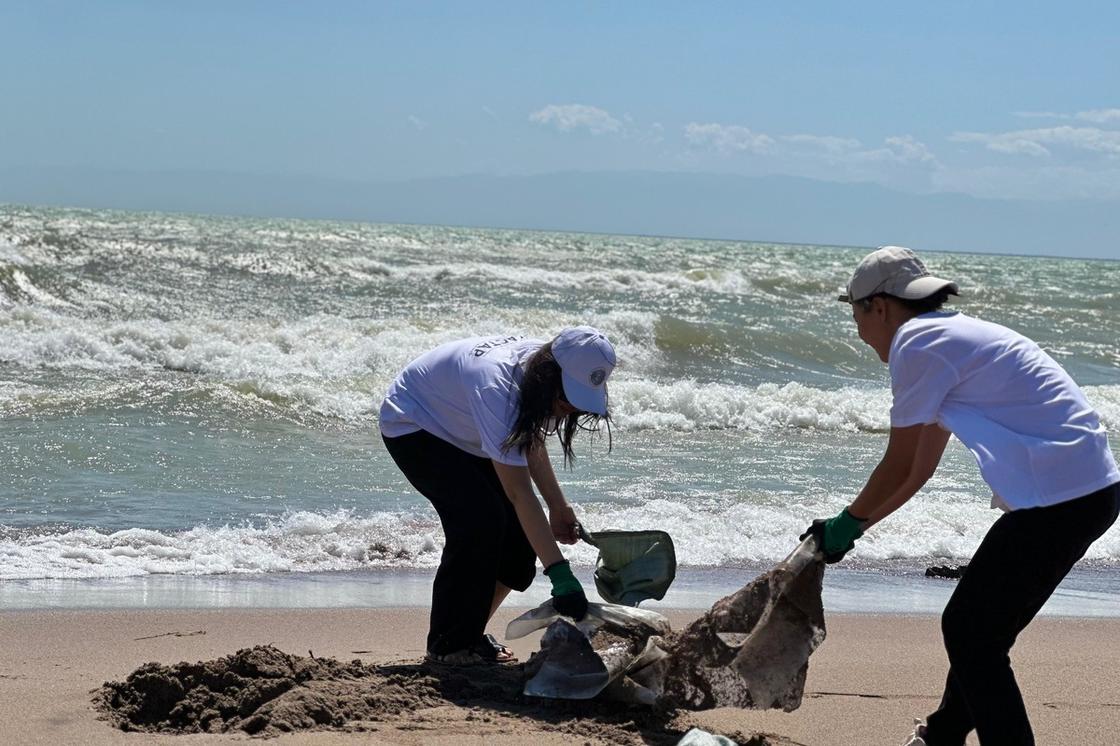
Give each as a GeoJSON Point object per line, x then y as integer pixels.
{"type": "Point", "coordinates": [188, 405]}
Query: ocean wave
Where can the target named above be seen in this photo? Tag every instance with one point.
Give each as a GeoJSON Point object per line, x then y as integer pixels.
{"type": "Point", "coordinates": [324, 365]}
{"type": "Point", "coordinates": [296, 542]}
{"type": "Point", "coordinates": [324, 258]}
{"type": "Point", "coordinates": [731, 530]}
{"type": "Point", "coordinates": [709, 532]}
{"type": "Point", "coordinates": [17, 288]}
{"type": "Point", "coordinates": [612, 280]}
{"type": "Point", "coordinates": [10, 256]}
{"type": "Point", "coordinates": [303, 268]}
{"type": "Point", "coordinates": [1106, 400]}
{"type": "Point", "coordinates": [686, 405]}
{"type": "Point", "coordinates": [338, 368]}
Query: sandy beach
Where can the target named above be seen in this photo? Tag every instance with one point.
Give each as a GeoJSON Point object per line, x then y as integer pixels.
{"type": "Point", "coordinates": [871, 675]}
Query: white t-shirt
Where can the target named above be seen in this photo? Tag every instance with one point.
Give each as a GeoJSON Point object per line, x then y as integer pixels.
{"type": "Point", "coordinates": [465, 392]}
{"type": "Point", "coordinates": [1036, 438]}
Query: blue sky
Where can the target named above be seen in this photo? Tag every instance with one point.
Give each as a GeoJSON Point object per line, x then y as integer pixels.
{"type": "Point", "coordinates": [1012, 100]}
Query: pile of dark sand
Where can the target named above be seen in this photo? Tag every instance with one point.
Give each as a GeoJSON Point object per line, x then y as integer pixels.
{"type": "Point", "coordinates": [264, 691]}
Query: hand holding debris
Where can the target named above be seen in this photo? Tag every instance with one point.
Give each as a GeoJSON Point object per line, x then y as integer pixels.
{"type": "Point", "coordinates": [836, 536]}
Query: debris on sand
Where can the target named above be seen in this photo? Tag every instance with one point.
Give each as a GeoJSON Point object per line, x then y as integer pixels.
{"type": "Point", "coordinates": [620, 676]}
{"type": "Point", "coordinates": [263, 691]}
{"type": "Point", "coordinates": [750, 650]}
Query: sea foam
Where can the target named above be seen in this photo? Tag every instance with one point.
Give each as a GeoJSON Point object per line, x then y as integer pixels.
{"type": "Point", "coordinates": [709, 533]}
{"type": "Point", "coordinates": [325, 366]}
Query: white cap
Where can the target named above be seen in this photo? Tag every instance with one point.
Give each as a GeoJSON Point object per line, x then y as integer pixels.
{"type": "Point", "coordinates": [896, 271]}
{"type": "Point", "coordinates": [586, 359]}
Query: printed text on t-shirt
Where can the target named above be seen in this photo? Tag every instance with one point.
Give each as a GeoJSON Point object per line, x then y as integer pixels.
{"type": "Point", "coordinates": [484, 347]}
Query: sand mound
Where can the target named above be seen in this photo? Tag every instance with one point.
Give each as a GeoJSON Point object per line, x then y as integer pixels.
{"type": "Point", "coordinates": [263, 691]}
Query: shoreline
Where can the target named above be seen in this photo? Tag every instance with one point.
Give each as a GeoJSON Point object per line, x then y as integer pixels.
{"type": "Point", "coordinates": [1088, 592]}
{"type": "Point", "coordinates": [872, 674]}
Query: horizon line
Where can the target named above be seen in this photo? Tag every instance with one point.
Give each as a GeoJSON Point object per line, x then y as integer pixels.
{"type": "Point", "coordinates": [511, 229]}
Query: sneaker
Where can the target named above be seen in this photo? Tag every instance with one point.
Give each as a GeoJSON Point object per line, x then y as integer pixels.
{"type": "Point", "coordinates": [918, 737]}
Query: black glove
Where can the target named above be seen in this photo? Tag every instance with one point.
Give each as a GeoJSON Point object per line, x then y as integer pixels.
{"type": "Point", "coordinates": [571, 604]}
{"type": "Point", "coordinates": [567, 593]}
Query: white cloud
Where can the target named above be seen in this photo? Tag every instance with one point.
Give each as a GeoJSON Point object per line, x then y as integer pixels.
{"type": "Point", "coordinates": [1035, 142]}
{"type": "Point", "coordinates": [896, 150]}
{"type": "Point", "coordinates": [1096, 116]}
{"type": "Point", "coordinates": [419, 124]}
{"type": "Point", "coordinates": [826, 143]}
{"type": "Point", "coordinates": [1099, 116]}
{"type": "Point", "coordinates": [1008, 142]}
{"type": "Point", "coordinates": [1039, 115]}
{"type": "Point", "coordinates": [490, 113]}
{"type": "Point", "coordinates": [567, 117]}
{"type": "Point", "coordinates": [728, 138]}
{"type": "Point", "coordinates": [900, 161]}
{"type": "Point", "coordinates": [1075, 155]}
{"type": "Point", "coordinates": [906, 149]}
{"type": "Point", "coordinates": [832, 149]}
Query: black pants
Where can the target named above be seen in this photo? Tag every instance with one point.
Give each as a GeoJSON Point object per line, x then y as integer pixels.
{"type": "Point", "coordinates": [484, 540]}
{"type": "Point", "coordinates": [1022, 559]}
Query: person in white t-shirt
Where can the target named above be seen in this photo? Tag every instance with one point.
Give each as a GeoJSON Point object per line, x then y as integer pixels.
{"type": "Point", "coordinates": [1040, 446]}
{"type": "Point", "coordinates": [466, 424]}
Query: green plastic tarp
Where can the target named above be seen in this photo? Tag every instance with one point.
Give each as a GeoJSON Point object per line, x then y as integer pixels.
{"type": "Point", "coordinates": [633, 566]}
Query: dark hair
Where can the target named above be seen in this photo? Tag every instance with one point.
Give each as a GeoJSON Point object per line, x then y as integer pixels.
{"type": "Point", "coordinates": [541, 386]}
{"type": "Point", "coordinates": [922, 305]}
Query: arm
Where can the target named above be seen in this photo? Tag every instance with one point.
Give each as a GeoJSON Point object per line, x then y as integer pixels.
{"type": "Point", "coordinates": [923, 454]}
{"type": "Point", "coordinates": [515, 482]}
{"type": "Point", "coordinates": [912, 456]}
{"type": "Point", "coordinates": [567, 594]}
{"type": "Point", "coordinates": [561, 517]}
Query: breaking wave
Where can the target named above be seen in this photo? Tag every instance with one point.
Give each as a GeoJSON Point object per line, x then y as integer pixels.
{"type": "Point", "coordinates": [707, 533]}
{"type": "Point", "coordinates": [338, 368]}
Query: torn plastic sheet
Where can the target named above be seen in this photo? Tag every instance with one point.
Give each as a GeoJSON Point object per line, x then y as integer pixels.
{"type": "Point", "coordinates": [751, 649]}
{"type": "Point", "coordinates": [569, 666]}
{"type": "Point", "coordinates": [620, 617]}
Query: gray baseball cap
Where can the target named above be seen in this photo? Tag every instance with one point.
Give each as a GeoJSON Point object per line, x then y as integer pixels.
{"type": "Point", "coordinates": [586, 358]}
{"type": "Point", "coordinates": [896, 271]}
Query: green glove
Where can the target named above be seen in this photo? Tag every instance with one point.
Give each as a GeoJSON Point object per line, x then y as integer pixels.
{"type": "Point", "coordinates": [567, 593]}
{"type": "Point", "coordinates": [563, 581]}
{"type": "Point", "coordinates": [841, 532]}
{"type": "Point", "coordinates": [836, 536]}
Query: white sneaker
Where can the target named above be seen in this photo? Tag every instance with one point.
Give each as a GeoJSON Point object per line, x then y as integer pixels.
{"type": "Point", "coordinates": [918, 737]}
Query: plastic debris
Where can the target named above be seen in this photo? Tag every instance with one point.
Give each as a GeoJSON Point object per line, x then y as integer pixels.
{"type": "Point", "coordinates": [633, 566]}
{"type": "Point", "coordinates": [582, 660]}
{"type": "Point", "coordinates": [751, 649]}
{"type": "Point", "coordinates": [698, 737]}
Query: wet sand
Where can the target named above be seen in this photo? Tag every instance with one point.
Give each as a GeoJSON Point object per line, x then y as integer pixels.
{"type": "Point", "coordinates": [865, 683]}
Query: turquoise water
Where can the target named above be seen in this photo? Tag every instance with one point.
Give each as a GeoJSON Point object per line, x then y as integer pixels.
{"type": "Point", "coordinates": [196, 397]}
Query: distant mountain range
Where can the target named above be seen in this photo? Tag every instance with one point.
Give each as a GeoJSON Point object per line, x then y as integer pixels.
{"type": "Point", "coordinates": [702, 205]}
